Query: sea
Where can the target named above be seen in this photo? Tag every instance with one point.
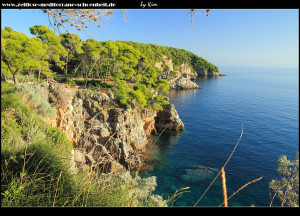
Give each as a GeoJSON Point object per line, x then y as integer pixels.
{"type": "Point", "coordinates": [261, 102]}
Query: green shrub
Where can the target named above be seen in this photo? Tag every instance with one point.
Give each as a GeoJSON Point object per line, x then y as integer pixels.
{"type": "Point", "coordinates": [286, 189]}
{"type": "Point", "coordinates": [123, 190]}
{"type": "Point", "coordinates": [37, 97]}
{"type": "Point", "coordinates": [21, 78]}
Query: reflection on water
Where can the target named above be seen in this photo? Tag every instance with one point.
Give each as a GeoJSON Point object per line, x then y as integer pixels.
{"type": "Point", "coordinates": [182, 93]}
{"type": "Point", "coordinates": [204, 78]}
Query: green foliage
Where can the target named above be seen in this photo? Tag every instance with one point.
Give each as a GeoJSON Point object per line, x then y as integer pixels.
{"type": "Point", "coordinates": [9, 99]}
{"type": "Point", "coordinates": [72, 43]}
{"type": "Point", "coordinates": [21, 78]}
{"type": "Point", "coordinates": [139, 96]}
{"type": "Point", "coordinates": [121, 91]}
{"type": "Point", "coordinates": [18, 52]}
{"type": "Point", "coordinates": [55, 50]}
{"type": "Point", "coordinates": [127, 191]}
{"type": "Point", "coordinates": [35, 95]}
{"type": "Point", "coordinates": [286, 189]}
{"type": "Point", "coordinates": [154, 53]}
{"type": "Point", "coordinates": [158, 101]}
{"type": "Point", "coordinates": [163, 86]}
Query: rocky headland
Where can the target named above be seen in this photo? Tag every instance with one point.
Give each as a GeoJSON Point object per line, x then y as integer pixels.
{"type": "Point", "coordinates": [104, 135]}
{"type": "Point", "coordinates": [181, 77]}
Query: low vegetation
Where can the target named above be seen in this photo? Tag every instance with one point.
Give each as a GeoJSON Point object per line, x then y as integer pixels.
{"type": "Point", "coordinates": [36, 163]}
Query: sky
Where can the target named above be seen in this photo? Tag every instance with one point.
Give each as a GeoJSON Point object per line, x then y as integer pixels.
{"type": "Point", "coordinates": [227, 37]}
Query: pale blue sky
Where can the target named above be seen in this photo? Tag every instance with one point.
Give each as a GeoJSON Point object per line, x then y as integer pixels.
{"type": "Point", "coordinates": [237, 37]}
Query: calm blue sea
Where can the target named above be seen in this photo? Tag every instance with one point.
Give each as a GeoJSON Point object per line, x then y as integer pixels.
{"type": "Point", "coordinates": [265, 101]}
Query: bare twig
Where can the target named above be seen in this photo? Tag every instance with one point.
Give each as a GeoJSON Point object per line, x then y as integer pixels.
{"type": "Point", "coordinates": [78, 18]}
{"type": "Point", "coordinates": [241, 188]}
{"type": "Point", "coordinates": [194, 12]}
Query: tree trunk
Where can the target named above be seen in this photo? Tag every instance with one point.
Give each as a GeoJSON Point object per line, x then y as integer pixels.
{"type": "Point", "coordinates": [66, 68]}
{"type": "Point", "coordinates": [15, 78]}
{"type": "Point", "coordinates": [39, 75]}
{"type": "Point", "coordinates": [76, 68]}
{"type": "Point", "coordinates": [14, 73]}
{"type": "Point", "coordinates": [106, 71]}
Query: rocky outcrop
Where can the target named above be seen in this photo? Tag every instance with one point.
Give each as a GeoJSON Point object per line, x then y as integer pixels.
{"type": "Point", "coordinates": [186, 71]}
{"type": "Point", "coordinates": [106, 137]}
{"type": "Point", "coordinates": [180, 77]}
{"type": "Point", "coordinates": [183, 83]}
{"type": "Point", "coordinates": [202, 72]}
{"type": "Point", "coordinates": [168, 119]}
{"type": "Point", "coordinates": [167, 64]}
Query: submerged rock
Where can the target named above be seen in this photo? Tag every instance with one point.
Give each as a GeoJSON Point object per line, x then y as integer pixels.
{"type": "Point", "coordinates": [197, 173]}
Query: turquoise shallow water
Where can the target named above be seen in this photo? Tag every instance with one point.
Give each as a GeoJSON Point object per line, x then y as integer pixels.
{"type": "Point", "coordinates": [265, 101]}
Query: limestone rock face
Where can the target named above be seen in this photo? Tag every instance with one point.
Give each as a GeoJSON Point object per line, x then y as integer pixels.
{"type": "Point", "coordinates": [105, 136]}
{"type": "Point", "coordinates": [168, 62]}
{"type": "Point", "coordinates": [186, 71]}
{"type": "Point", "coordinates": [168, 118]}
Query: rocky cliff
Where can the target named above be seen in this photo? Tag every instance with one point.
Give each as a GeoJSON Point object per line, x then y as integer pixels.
{"type": "Point", "coordinates": [105, 136]}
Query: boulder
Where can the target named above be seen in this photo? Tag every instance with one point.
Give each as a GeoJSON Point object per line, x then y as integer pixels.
{"type": "Point", "coordinates": [168, 118]}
